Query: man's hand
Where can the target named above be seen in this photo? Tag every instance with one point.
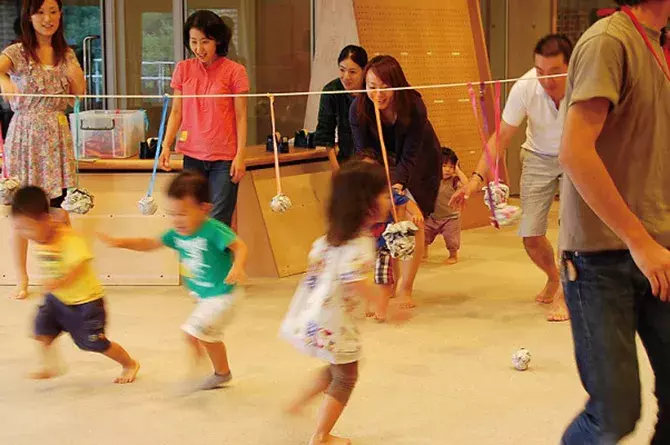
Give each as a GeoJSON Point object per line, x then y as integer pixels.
{"type": "Point", "coordinates": [654, 262]}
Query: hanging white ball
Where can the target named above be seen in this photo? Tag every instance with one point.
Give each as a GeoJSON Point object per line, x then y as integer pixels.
{"type": "Point", "coordinates": [148, 205]}
{"type": "Point", "coordinates": [521, 359]}
{"type": "Point", "coordinates": [8, 186]}
{"type": "Point", "coordinates": [78, 201]}
{"type": "Point", "coordinates": [280, 203]}
{"type": "Point", "coordinates": [400, 239]}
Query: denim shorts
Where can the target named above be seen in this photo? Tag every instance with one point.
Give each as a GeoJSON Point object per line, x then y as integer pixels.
{"type": "Point", "coordinates": [84, 322]}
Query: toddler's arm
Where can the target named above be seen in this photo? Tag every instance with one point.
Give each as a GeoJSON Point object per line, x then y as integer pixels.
{"type": "Point", "coordinates": [240, 252]}
{"type": "Point", "coordinates": [461, 176]}
{"type": "Point", "coordinates": [67, 279]}
{"type": "Point", "coordinates": [138, 244]}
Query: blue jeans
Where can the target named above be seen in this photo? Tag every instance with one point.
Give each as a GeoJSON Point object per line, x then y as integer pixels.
{"type": "Point", "coordinates": [610, 301]}
{"type": "Point", "coordinates": [222, 188]}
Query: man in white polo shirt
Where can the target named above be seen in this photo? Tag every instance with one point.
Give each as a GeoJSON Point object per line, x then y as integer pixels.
{"type": "Point", "coordinates": [539, 101]}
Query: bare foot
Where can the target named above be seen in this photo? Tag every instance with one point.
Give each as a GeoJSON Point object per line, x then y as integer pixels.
{"type": "Point", "coordinates": [45, 374]}
{"type": "Point", "coordinates": [369, 314]}
{"type": "Point", "coordinates": [329, 440]}
{"type": "Point", "coordinates": [129, 374]}
{"type": "Point", "coordinates": [21, 291]}
{"type": "Point", "coordinates": [559, 311]}
{"type": "Point", "coordinates": [548, 293]}
{"type": "Point", "coordinates": [451, 261]}
{"type": "Point", "coordinates": [409, 304]}
{"type": "Point", "coordinates": [380, 318]}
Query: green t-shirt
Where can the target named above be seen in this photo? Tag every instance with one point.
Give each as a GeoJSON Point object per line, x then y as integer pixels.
{"type": "Point", "coordinates": [204, 257]}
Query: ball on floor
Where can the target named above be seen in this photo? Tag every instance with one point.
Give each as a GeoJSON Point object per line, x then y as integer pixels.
{"type": "Point", "coordinates": [521, 359]}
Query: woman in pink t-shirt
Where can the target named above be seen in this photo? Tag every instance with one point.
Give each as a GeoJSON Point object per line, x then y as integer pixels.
{"type": "Point", "coordinates": [210, 133]}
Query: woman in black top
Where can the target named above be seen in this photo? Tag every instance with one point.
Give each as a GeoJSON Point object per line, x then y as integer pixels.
{"type": "Point", "coordinates": [413, 147]}
{"type": "Point", "coordinates": [334, 108]}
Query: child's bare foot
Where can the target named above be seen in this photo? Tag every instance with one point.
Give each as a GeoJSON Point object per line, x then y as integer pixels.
{"type": "Point", "coordinates": [46, 373]}
{"type": "Point", "coordinates": [128, 374]}
{"type": "Point", "coordinates": [329, 440]}
{"type": "Point", "coordinates": [380, 317]}
{"type": "Point", "coordinates": [369, 314]}
{"type": "Point", "coordinates": [548, 293]}
{"type": "Point", "coordinates": [451, 260]}
{"type": "Point", "coordinates": [21, 291]}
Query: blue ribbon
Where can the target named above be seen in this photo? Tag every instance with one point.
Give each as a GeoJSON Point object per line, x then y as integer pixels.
{"type": "Point", "coordinates": [161, 135]}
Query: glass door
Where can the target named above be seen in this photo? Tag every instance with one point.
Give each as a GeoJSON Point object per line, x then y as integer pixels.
{"type": "Point", "coordinates": [84, 32]}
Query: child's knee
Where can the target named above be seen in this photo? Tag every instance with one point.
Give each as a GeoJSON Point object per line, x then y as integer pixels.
{"type": "Point", "coordinates": [344, 378]}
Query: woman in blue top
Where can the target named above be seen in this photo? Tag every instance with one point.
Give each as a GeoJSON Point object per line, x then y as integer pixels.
{"type": "Point", "coordinates": [334, 108]}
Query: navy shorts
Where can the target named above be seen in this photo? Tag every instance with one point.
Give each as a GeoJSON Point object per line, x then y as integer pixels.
{"type": "Point", "coordinates": [84, 322]}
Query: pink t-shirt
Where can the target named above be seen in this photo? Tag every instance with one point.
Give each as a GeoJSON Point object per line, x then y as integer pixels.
{"type": "Point", "coordinates": [208, 126]}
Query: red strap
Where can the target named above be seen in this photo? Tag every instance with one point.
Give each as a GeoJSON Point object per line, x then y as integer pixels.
{"type": "Point", "coordinates": [645, 37]}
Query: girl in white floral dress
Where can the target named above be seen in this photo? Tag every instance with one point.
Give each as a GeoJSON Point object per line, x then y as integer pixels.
{"type": "Point", "coordinates": [325, 312]}
{"type": "Point", "coordinates": [38, 146]}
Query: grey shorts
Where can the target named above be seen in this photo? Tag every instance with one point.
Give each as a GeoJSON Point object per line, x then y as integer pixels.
{"type": "Point", "coordinates": [540, 181]}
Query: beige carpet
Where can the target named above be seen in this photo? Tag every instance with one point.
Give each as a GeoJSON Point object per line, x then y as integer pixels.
{"type": "Point", "coordinates": [444, 378]}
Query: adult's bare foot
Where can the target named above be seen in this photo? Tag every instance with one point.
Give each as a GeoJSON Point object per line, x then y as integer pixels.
{"type": "Point", "coordinates": [559, 311]}
{"type": "Point", "coordinates": [129, 374]}
{"type": "Point", "coordinates": [329, 440]}
{"type": "Point", "coordinates": [548, 293]}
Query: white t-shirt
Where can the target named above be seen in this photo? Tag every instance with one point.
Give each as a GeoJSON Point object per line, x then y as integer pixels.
{"type": "Point", "coordinates": [545, 122]}
{"type": "Point", "coordinates": [322, 320]}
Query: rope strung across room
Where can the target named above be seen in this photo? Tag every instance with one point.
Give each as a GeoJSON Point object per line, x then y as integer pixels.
{"type": "Point", "coordinates": [288, 94]}
{"type": "Point", "coordinates": [148, 204]}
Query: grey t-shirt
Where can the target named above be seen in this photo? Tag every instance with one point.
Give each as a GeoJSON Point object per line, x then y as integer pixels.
{"type": "Point", "coordinates": [442, 209]}
{"type": "Point", "coordinates": [612, 61]}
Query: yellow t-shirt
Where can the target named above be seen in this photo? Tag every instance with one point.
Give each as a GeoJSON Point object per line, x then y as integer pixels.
{"type": "Point", "coordinates": [62, 256]}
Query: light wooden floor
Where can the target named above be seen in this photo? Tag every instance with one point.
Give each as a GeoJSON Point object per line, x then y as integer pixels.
{"type": "Point", "coordinates": [444, 378]}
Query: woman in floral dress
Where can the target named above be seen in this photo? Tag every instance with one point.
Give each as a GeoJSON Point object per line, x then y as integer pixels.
{"type": "Point", "coordinates": [38, 147]}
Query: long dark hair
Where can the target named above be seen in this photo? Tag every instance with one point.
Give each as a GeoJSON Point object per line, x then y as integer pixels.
{"type": "Point", "coordinates": [212, 26]}
{"type": "Point", "coordinates": [29, 36]}
{"type": "Point", "coordinates": [355, 189]}
{"type": "Point", "coordinates": [389, 71]}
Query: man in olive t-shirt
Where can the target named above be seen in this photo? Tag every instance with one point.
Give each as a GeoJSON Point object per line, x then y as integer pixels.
{"type": "Point", "coordinates": [615, 219]}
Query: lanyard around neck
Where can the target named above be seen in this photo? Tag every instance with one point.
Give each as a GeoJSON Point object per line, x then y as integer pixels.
{"type": "Point", "coordinates": [645, 37]}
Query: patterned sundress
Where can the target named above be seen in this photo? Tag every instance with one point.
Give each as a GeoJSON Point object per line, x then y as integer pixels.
{"type": "Point", "coordinates": [38, 146]}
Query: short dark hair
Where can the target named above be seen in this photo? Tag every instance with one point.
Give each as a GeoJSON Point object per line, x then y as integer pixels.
{"type": "Point", "coordinates": [554, 44]}
{"type": "Point", "coordinates": [212, 26]}
{"type": "Point", "coordinates": [630, 2]}
{"type": "Point", "coordinates": [449, 156]}
{"type": "Point", "coordinates": [356, 53]}
{"type": "Point", "coordinates": [190, 184]}
{"type": "Point", "coordinates": [353, 199]}
{"type": "Point", "coordinates": [30, 201]}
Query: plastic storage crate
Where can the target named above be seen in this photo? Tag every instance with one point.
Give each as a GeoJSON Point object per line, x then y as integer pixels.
{"type": "Point", "coordinates": [109, 134]}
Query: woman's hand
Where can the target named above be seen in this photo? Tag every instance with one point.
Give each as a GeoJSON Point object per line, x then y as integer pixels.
{"type": "Point", "coordinates": [399, 188]}
{"type": "Point", "coordinates": [237, 169]}
{"type": "Point", "coordinates": [164, 160]}
{"type": "Point", "coordinates": [7, 86]}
